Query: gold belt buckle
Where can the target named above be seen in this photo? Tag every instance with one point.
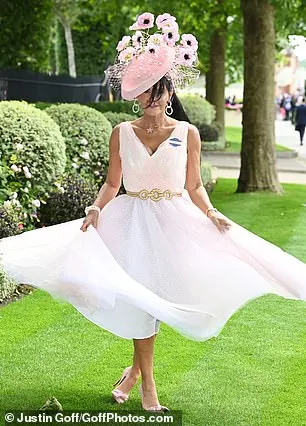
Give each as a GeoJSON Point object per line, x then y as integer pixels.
{"type": "Point", "coordinates": [155, 194]}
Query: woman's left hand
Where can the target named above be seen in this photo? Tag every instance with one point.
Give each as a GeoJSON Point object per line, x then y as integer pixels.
{"type": "Point", "coordinates": [221, 223]}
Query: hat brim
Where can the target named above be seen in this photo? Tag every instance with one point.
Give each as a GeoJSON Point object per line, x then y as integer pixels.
{"type": "Point", "coordinates": [145, 70]}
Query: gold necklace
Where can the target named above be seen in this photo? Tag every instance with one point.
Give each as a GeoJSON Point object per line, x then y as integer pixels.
{"type": "Point", "coordinates": [150, 129]}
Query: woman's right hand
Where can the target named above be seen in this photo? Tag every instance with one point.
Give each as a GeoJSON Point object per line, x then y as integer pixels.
{"type": "Point", "coordinates": [90, 219]}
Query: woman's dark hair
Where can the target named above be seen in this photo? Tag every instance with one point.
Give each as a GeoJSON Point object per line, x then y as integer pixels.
{"type": "Point", "coordinates": [158, 90]}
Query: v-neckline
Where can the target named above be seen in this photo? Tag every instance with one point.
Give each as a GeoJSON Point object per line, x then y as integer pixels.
{"type": "Point", "coordinates": [162, 143]}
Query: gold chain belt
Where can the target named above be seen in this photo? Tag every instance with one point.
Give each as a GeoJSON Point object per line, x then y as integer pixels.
{"type": "Point", "coordinates": [155, 194]}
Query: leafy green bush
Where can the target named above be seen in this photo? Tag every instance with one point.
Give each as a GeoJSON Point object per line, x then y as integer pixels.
{"type": "Point", "coordinates": [9, 225]}
{"type": "Point", "coordinates": [198, 109]}
{"type": "Point", "coordinates": [115, 106]}
{"type": "Point", "coordinates": [25, 34]}
{"type": "Point", "coordinates": [87, 134]}
{"type": "Point", "coordinates": [213, 145]}
{"type": "Point", "coordinates": [206, 175]}
{"type": "Point", "coordinates": [208, 133]}
{"type": "Point", "coordinates": [118, 117]}
{"type": "Point", "coordinates": [7, 285]}
{"type": "Point", "coordinates": [68, 201]}
{"type": "Point", "coordinates": [9, 221]}
{"type": "Point", "coordinates": [44, 105]}
{"type": "Point", "coordinates": [32, 156]}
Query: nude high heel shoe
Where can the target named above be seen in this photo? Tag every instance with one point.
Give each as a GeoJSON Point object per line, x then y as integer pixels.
{"type": "Point", "coordinates": [158, 408]}
{"type": "Point", "coordinates": [117, 394]}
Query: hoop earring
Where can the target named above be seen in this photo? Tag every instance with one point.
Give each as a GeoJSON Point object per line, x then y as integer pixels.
{"type": "Point", "coordinates": [169, 109]}
{"type": "Point", "coordinates": [135, 107]}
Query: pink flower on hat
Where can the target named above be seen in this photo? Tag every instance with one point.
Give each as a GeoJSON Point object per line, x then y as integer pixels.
{"type": "Point", "coordinates": [151, 47]}
{"type": "Point", "coordinates": [123, 43]}
{"type": "Point", "coordinates": [137, 39]}
{"type": "Point", "coordinates": [144, 21]}
{"type": "Point", "coordinates": [164, 19]}
{"type": "Point", "coordinates": [189, 41]}
{"type": "Point", "coordinates": [170, 35]}
{"type": "Point", "coordinates": [156, 38]}
{"type": "Point", "coordinates": [186, 56]}
{"type": "Point", "coordinates": [170, 24]}
{"type": "Point", "coordinates": [127, 54]}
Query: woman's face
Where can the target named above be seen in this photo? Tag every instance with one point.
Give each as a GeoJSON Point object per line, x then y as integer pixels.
{"type": "Point", "coordinates": [157, 106]}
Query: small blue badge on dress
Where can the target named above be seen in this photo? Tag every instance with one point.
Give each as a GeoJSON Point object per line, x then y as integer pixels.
{"type": "Point", "coordinates": [177, 140]}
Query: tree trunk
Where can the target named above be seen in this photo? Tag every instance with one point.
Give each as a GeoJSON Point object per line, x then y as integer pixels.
{"type": "Point", "coordinates": [70, 50]}
{"type": "Point", "coordinates": [258, 160]}
{"type": "Point", "coordinates": [215, 77]}
{"type": "Point", "coordinates": [208, 85]}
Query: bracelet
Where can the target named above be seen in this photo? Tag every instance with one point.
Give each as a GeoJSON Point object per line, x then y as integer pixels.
{"type": "Point", "coordinates": [211, 209]}
{"type": "Point", "coordinates": [92, 207]}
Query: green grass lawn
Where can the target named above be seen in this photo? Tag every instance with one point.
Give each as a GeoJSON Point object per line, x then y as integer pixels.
{"type": "Point", "coordinates": [253, 373]}
{"type": "Point", "coordinates": [233, 136]}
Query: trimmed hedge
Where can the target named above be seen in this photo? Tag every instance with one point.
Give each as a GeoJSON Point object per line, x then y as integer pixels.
{"type": "Point", "coordinates": [198, 109]}
{"type": "Point", "coordinates": [68, 201]}
{"type": "Point", "coordinates": [87, 134]}
{"type": "Point", "coordinates": [116, 106]}
{"type": "Point", "coordinates": [9, 220]}
{"type": "Point", "coordinates": [206, 175]}
{"type": "Point", "coordinates": [7, 286]}
{"type": "Point", "coordinates": [116, 118]}
{"type": "Point", "coordinates": [32, 156]}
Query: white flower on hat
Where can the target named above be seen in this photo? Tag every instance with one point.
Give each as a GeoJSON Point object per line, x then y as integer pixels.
{"type": "Point", "coordinates": [127, 54]}
{"type": "Point", "coordinates": [156, 38]}
{"type": "Point", "coordinates": [170, 24]}
{"type": "Point", "coordinates": [137, 39]}
{"type": "Point", "coordinates": [164, 19]}
{"type": "Point", "coordinates": [151, 47]}
{"type": "Point", "coordinates": [186, 56]}
{"type": "Point", "coordinates": [170, 35]}
{"type": "Point", "coordinates": [189, 40]}
{"type": "Point", "coordinates": [123, 43]}
{"type": "Point", "coordinates": [145, 20]}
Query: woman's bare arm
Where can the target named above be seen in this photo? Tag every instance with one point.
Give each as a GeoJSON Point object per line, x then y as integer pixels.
{"type": "Point", "coordinates": [112, 184]}
{"type": "Point", "coordinates": [194, 184]}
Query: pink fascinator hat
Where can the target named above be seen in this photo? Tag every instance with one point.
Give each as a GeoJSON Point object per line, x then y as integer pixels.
{"type": "Point", "coordinates": [144, 58]}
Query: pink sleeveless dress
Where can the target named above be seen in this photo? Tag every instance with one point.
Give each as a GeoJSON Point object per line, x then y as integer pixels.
{"type": "Point", "coordinates": [153, 261]}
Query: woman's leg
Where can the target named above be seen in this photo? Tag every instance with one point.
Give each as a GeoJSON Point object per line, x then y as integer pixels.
{"type": "Point", "coordinates": [144, 350]}
{"type": "Point", "coordinates": [302, 131]}
{"type": "Point", "coordinates": [132, 376]}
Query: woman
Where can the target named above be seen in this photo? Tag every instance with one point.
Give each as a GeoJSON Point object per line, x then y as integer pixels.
{"type": "Point", "coordinates": [300, 119]}
{"type": "Point", "coordinates": [152, 129]}
{"type": "Point", "coordinates": [161, 252]}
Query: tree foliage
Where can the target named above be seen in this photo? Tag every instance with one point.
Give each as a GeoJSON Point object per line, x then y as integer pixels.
{"type": "Point", "coordinates": [25, 34]}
